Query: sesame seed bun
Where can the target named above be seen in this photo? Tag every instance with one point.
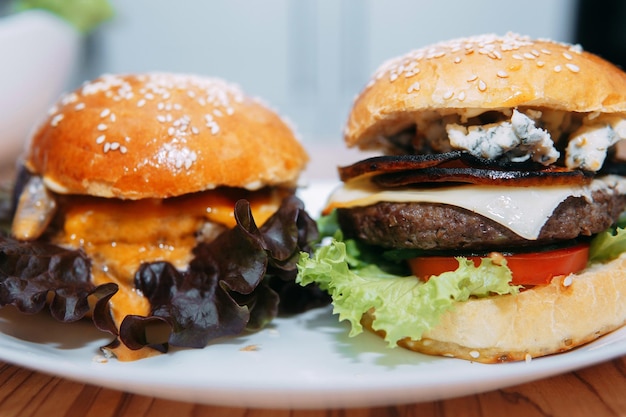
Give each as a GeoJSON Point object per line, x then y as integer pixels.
{"type": "Point", "coordinates": [158, 135]}
{"type": "Point", "coordinates": [558, 317]}
{"type": "Point", "coordinates": [483, 72]}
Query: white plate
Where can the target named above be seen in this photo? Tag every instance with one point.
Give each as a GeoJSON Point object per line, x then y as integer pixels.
{"type": "Point", "coordinates": [307, 361]}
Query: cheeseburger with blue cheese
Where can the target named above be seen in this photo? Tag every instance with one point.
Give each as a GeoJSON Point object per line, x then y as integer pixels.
{"type": "Point", "coordinates": [488, 228]}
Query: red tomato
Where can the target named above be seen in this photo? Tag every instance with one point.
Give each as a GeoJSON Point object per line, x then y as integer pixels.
{"type": "Point", "coordinates": [535, 268]}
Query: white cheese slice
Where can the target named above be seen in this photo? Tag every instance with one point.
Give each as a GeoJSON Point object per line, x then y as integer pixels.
{"type": "Point", "coordinates": [524, 210]}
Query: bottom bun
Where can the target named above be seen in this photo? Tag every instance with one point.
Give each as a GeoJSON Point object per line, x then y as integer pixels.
{"type": "Point", "coordinates": [543, 320]}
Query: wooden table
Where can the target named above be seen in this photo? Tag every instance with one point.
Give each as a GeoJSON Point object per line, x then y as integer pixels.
{"type": "Point", "coordinates": [596, 391]}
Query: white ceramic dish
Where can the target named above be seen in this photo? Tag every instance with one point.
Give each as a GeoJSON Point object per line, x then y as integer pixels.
{"type": "Point", "coordinates": [307, 361]}
{"type": "Point", "coordinates": [40, 54]}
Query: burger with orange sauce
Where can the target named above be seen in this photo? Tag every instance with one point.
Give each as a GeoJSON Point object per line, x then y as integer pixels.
{"type": "Point", "coordinates": [488, 228]}
{"type": "Point", "coordinates": [163, 206]}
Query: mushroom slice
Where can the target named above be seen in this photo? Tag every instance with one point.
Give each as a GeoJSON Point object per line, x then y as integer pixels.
{"type": "Point", "coordinates": [36, 207]}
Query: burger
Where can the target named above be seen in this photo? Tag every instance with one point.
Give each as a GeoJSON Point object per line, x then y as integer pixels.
{"type": "Point", "coordinates": [487, 224]}
{"type": "Point", "coordinates": [162, 205]}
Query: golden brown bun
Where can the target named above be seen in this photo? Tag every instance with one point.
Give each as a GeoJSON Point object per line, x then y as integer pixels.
{"type": "Point", "coordinates": [544, 320]}
{"type": "Point", "coordinates": [159, 135]}
{"type": "Point", "coordinates": [483, 72]}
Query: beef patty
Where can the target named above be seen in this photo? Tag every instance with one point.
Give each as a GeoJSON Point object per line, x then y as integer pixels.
{"type": "Point", "coordinates": [442, 227]}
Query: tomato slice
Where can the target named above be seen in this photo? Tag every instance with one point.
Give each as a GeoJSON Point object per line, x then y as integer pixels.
{"type": "Point", "coordinates": [534, 268]}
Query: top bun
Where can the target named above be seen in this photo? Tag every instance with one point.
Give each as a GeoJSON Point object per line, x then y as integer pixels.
{"type": "Point", "coordinates": [159, 135]}
{"type": "Point", "coordinates": [486, 72]}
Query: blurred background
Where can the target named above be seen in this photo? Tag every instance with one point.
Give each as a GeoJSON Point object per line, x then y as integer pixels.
{"type": "Point", "coordinates": [307, 58]}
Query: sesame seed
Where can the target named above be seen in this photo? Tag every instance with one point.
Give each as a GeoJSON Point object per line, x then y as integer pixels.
{"type": "Point", "coordinates": [161, 118]}
{"type": "Point", "coordinates": [107, 147]}
{"type": "Point", "coordinates": [546, 51]}
{"type": "Point", "coordinates": [56, 119]}
{"type": "Point", "coordinates": [535, 53]}
{"type": "Point", "coordinates": [518, 56]}
{"type": "Point", "coordinates": [218, 113]}
{"type": "Point", "coordinates": [102, 127]}
{"type": "Point", "coordinates": [393, 76]}
{"type": "Point", "coordinates": [113, 118]}
{"type": "Point", "coordinates": [105, 112]}
{"type": "Point", "coordinates": [194, 130]}
{"type": "Point", "coordinates": [149, 96]}
{"type": "Point", "coordinates": [481, 85]}
{"type": "Point", "coordinates": [568, 281]}
{"type": "Point", "coordinates": [567, 56]}
{"type": "Point", "coordinates": [127, 139]}
{"type": "Point", "coordinates": [502, 74]}
{"type": "Point", "coordinates": [461, 96]}
{"type": "Point", "coordinates": [448, 95]}
{"type": "Point", "coordinates": [100, 139]}
{"type": "Point", "coordinates": [171, 131]}
{"type": "Point", "coordinates": [474, 354]}
{"type": "Point", "coordinates": [160, 106]}
{"type": "Point", "coordinates": [558, 68]}
{"type": "Point", "coordinates": [141, 103]}
{"type": "Point", "coordinates": [215, 129]}
{"type": "Point", "coordinates": [414, 87]}
{"type": "Point", "coordinates": [79, 106]}
{"type": "Point", "coordinates": [528, 55]}
{"type": "Point", "coordinates": [115, 146]}
{"type": "Point", "coordinates": [472, 78]}
{"type": "Point", "coordinates": [123, 149]}
{"type": "Point", "coordinates": [177, 106]}
{"type": "Point", "coordinates": [572, 67]}
{"type": "Point", "coordinates": [540, 63]}
{"type": "Point", "coordinates": [457, 60]}
{"type": "Point", "coordinates": [528, 358]}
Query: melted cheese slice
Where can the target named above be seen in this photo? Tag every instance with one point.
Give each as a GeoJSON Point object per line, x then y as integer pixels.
{"type": "Point", "coordinates": [524, 210]}
{"type": "Point", "coordinates": [120, 235]}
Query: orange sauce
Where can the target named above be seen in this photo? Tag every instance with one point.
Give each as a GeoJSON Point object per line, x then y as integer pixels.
{"type": "Point", "coordinates": [120, 235]}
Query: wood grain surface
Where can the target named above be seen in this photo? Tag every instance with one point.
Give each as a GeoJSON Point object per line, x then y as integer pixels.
{"type": "Point", "coordinates": [596, 391]}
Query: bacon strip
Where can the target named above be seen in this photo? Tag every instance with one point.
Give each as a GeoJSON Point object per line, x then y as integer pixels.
{"type": "Point", "coordinates": [479, 176]}
{"type": "Point", "coordinates": [459, 167]}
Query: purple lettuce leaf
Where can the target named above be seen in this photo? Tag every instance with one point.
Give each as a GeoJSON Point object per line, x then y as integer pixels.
{"type": "Point", "coordinates": [32, 273]}
{"type": "Point", "coordinates": [229, 285]}
{"type": "Point", "coordinates": [236, 283]}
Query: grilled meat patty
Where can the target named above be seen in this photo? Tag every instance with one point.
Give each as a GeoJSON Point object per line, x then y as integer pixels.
{"type": "Point", "coordinates": [442, 227]}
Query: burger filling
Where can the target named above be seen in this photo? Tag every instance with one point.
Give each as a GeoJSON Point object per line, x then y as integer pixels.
{"type": "Point", "coordinates": [120, 235]}
{"type": "Point", "coordinates": [467, 205]}
{"type": "Point", "coordinates": [577, 141]}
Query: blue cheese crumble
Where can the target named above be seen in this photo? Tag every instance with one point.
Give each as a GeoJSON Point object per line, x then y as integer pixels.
{"type": "Point", "coordinates": [518, 139]}
{"type": "Point", "coordinates": [588, 145]}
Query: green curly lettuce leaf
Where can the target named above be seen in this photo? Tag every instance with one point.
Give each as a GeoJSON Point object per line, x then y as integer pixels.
{"type": "Point", "coordinates": [405, 306]}
{"type": "Point", "coordinates": [610, 243]}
